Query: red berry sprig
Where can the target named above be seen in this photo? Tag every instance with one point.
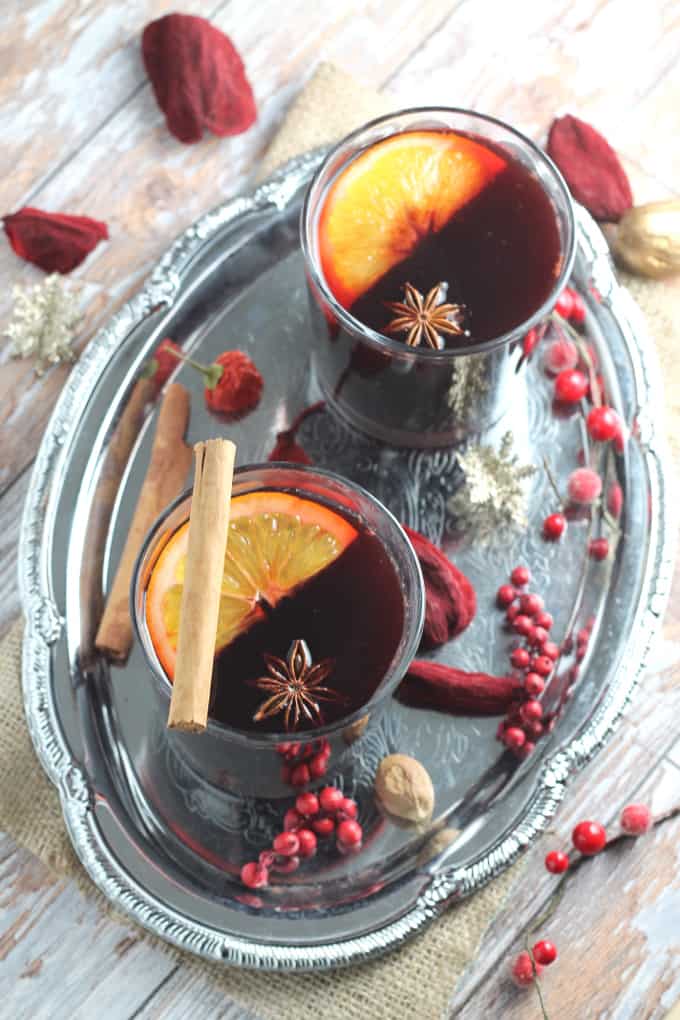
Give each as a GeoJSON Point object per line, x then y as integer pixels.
{"type": "Point", "coordinates": [304, 762]}
{"type": "Point", "coordinates": [313, 816]}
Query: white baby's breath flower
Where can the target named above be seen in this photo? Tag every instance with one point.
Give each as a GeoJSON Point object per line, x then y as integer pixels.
{"type": "Point", "coordinates": [43, 323]}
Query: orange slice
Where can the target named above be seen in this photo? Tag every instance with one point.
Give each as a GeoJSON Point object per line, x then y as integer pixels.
{"type": "Point", "coordinates": [390, 197]}
{"type": "Point", "coordinates": [277, 541]}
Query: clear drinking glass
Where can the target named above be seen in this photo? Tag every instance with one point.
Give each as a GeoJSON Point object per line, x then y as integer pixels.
{"type": "Point", "coordinates": [418, 396]}
{"type": "Point", "coordinates": [248, 763]}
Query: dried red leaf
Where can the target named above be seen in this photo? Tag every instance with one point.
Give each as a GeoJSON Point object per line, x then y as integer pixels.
{"type": "Point", "coordinates": [447, 689]}
{"type": "Point", "coordinates": [235, 384]}
{"type": "Point", "coordinates": [160, 367]}
{"type": "Point", "coordinates": [450, 599]}
{"type": "Point", "coordinates": [286, 446]}
{"type": "Point", "coordinates": [198, 77]}
{"type": "Point", "coordinates": [591, 168]}
{"type": "Point", "coordinates": [56, 242]}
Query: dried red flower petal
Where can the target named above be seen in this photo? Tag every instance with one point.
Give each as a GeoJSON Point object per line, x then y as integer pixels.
{"type": "Point", "coordinates": [198, 77]}
{"type": "Point", "coordinates": [433, 685]}
{"type": "Point", "coordinates": [450, 599]}
{"type": "Point", "coordinates": [235, 385]}
{"type": "Point", "coordinates": [56, 242]}
{"type": "Point", "coordinates": [163, 363]}
{"type": "Point", "coordinates": [591, 168]}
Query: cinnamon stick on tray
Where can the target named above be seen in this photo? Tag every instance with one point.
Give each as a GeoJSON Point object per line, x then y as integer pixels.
{"type": "Point", "coordinates": [200, 605]}
{"type": "Point", "coordinates": [165, 478]}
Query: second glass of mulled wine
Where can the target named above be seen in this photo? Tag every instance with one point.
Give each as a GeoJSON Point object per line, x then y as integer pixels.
{"type": "Point", "coordinates": [435, 241]}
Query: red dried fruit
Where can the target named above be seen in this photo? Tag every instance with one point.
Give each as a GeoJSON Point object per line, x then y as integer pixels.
{"type": "Point", "coordinates": [450, 599]}
{"type": "Point", "coordinates": [235, 385]}
{"type": "Point", "coordinates": [446, 689]}
{"type": "Point", "coordinates": [163, 363]}
{"type": "Point", "coordinates": [591, 168]}
{"type": "Point", "coordinates": [56, 242]}
{"type": "Point", "coordinates": [198, 77]}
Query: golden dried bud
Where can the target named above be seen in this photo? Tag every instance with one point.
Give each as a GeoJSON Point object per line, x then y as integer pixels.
{"type": "Point", "coordinates": [647, 241]}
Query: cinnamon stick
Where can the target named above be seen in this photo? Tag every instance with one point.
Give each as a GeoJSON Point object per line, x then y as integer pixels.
{"type": "Point", "coordinates": [200, 604]}
{"type": "Point", "coordinates": [122, 441]}
{"type": "Point", "coordinates": [165, 478]}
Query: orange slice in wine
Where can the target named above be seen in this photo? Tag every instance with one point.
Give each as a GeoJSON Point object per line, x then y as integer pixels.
{"type": "Point", "coordinates": [277, 541]}
{"type": "Point", "coordinates": [390, 197]}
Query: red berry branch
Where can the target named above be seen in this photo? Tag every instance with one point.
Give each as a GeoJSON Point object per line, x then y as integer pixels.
{"type": "Point", "coordinates": [588, 839]}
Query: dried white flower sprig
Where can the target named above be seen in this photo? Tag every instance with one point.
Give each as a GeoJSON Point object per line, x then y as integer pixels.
{"type": "Point", "coordinates": [493, 496]}
{"type": "Point", "coordinates": [43, 323]}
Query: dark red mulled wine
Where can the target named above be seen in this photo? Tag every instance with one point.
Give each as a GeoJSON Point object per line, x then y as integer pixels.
{"type": "Point", "coordinates": [348, 620]}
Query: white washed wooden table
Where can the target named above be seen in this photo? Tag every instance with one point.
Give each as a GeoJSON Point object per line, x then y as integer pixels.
{"type": "Point", "coordinates": [81, 133]}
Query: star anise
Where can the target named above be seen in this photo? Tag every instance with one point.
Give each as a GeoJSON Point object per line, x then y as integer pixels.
{"type": "Point", "coordinates": [425, 318]}
{"type": "Point", "coordinates": [294, 686]}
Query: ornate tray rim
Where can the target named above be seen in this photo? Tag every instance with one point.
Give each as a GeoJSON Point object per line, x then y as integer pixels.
{"type": "Point", "coordinates": [44, 623]}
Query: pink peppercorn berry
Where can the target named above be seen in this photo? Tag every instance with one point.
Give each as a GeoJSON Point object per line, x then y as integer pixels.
{"type": "Point", "coordinates": [544, 620]}
{"type": "Point", "coordinates": [589, 838]}
{"type": "Point", "coordinates": [254, 875]}
{"type": "Point", "coordinates": [636, 819]}
{"type": "Point", "coordinates": [584, 485]}
{"type": "Point", "coordinates": [300, 775]}
{"type": "Point", "coordinates": [603, 424]}
{"type": "Point", "coordinates": [514, 737]}
{"type": "Point", "coordinates": [598, 549]}
{"type": "Point", "coordinates": [505, 595]}
{"type": "Point", "coordinates": [323, 826]}
{"type": "Point", "coordinates": [578, 308]}
{"type": "Point", "coordinates": [571, 385]}
{"type": "Point", "coordinates": [522, 625]}
{"type": "Point", "coordinates": [531, 604]}
{"type": "Point", "coordinates": [307, 804]}
{"type": "Point", "coordinates": [286, 865]}
{"type": "Point", "coordinates": [544, 952]}
{"type": "Point", "coordinates": [523, 970]}
{"type": "Point", "coordinates": [554, 527]}
{"type": "Point", "coordinates": [286, 844]}
{"type": "Point", "coordinates": [330, 799]}
{"type": "Point", "coordinates": [519, 658]}
{"type": "Point", "coordinates": [556, 862]}
{"type": "Point", "coordinates": [292, 820]}
{"type": "Point", "coordinates": [349, 834]}
{"type": "Point", "coordinates": [531, 711]}
{"type": "Point", "coordinates": [534, 684]}
{"type": "Point", "coordinates": [511, 612]}
{"type": "Point", "coordinates": [542, 665]}
{"type": "Point", "coordinates": [307, 842]}
{"type": "Point", "coordinates": [520, 576]}
{"type": "Point", "coordinates": [348, 808]}
{"type": "Point", "coordinates": [560, 356]}
{"type": "Point", "coordinates": [565, 303]}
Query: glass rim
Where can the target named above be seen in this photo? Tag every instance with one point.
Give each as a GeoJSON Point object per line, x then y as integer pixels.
{"type": "Point", "coordinates": [411, 635]}
{"type": "Point", "coordinates": [366, 333]}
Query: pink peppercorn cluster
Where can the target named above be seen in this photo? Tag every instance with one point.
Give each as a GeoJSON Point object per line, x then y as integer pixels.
{"type": "Point", "coordinates": [533, 658]}
{"type": "Point", "coordinates": [314, 815]}
{"type": "Point", "coordinates": [304, 762]}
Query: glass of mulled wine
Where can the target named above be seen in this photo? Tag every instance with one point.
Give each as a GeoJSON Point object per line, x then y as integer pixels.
{"type": "Point", "coordinates": [436, 243]}
{"type": "Point", "coordinates": [322, 610]}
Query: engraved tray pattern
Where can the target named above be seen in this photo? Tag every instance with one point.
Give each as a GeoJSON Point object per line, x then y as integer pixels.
{"type": "Point", "coordinates": [416, 486]}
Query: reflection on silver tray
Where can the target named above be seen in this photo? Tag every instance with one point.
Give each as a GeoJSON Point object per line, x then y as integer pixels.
{"type": "Point", "coordinates": [235, 279]}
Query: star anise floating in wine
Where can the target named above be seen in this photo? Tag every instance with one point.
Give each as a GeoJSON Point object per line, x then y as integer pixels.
{"type": "Point", "coordinates": [425, 318]}
{"type": "Point", "coordinates": [295, 686]}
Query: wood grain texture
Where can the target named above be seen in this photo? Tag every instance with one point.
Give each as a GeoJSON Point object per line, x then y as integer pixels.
{"type": "Point", "coordinates": [82, 133]}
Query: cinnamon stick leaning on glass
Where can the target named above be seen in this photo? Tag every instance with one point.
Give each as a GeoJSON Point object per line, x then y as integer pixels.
{"type": "Point", "coordinates": [200, 603]}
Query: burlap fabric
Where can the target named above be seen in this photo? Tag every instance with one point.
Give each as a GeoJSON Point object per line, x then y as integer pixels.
{"type": "Point", "coordinates": [416, 980]}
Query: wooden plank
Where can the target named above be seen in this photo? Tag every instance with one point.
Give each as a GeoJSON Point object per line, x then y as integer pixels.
{"type": "Point", "coordinates": [615, 929]}
{"type": "Point", "coordinates": [11, 508]}
{"type": "Point", "coordinates": [61, 957]}
{"type": "Point", "coordinates": [67, 68]}
{"type": "Point", "coordinates": [188, 994]}
{"type": "Point", "coordinates": [145, 210]}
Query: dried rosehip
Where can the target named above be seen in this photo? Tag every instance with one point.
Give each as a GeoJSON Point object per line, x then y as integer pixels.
{"type": "Point", "coordinates": [591, 168]}
{"type": "Point", "coordinates": [233, 384]}
{"type": "Point", "coordinates": [56, 242]}
{"type": "Point", "coordinates": [198, 77]}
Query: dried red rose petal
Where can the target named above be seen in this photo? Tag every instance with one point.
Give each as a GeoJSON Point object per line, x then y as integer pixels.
{"type": "Point", "coordinates": [235, 384]}
{"type": "Point", "coordinates": [450, 599]}
{"type": "Point", "coordinates": [198, 77]}
{"type": "Point", "coordinates": [591, 168]}
{"type": "Point", "coordinates": [433, 685]}
{"type": "Point", "coordinates": [56, 242]}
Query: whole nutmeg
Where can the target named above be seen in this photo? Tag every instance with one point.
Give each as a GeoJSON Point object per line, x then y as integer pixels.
{"type": "Point", "coordinates": [647, 240]}
{"type": "Point", "coordinates": [403, 788]}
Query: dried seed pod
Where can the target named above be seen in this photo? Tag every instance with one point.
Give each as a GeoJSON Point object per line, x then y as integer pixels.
{"type": "Point", "coordinates": [647, 240]}
{"type": "Point", "coordinates": [403, 788]}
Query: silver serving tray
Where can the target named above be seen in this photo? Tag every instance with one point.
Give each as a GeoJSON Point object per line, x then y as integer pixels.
{"type": "Point", "coordinates": [235, 279]}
